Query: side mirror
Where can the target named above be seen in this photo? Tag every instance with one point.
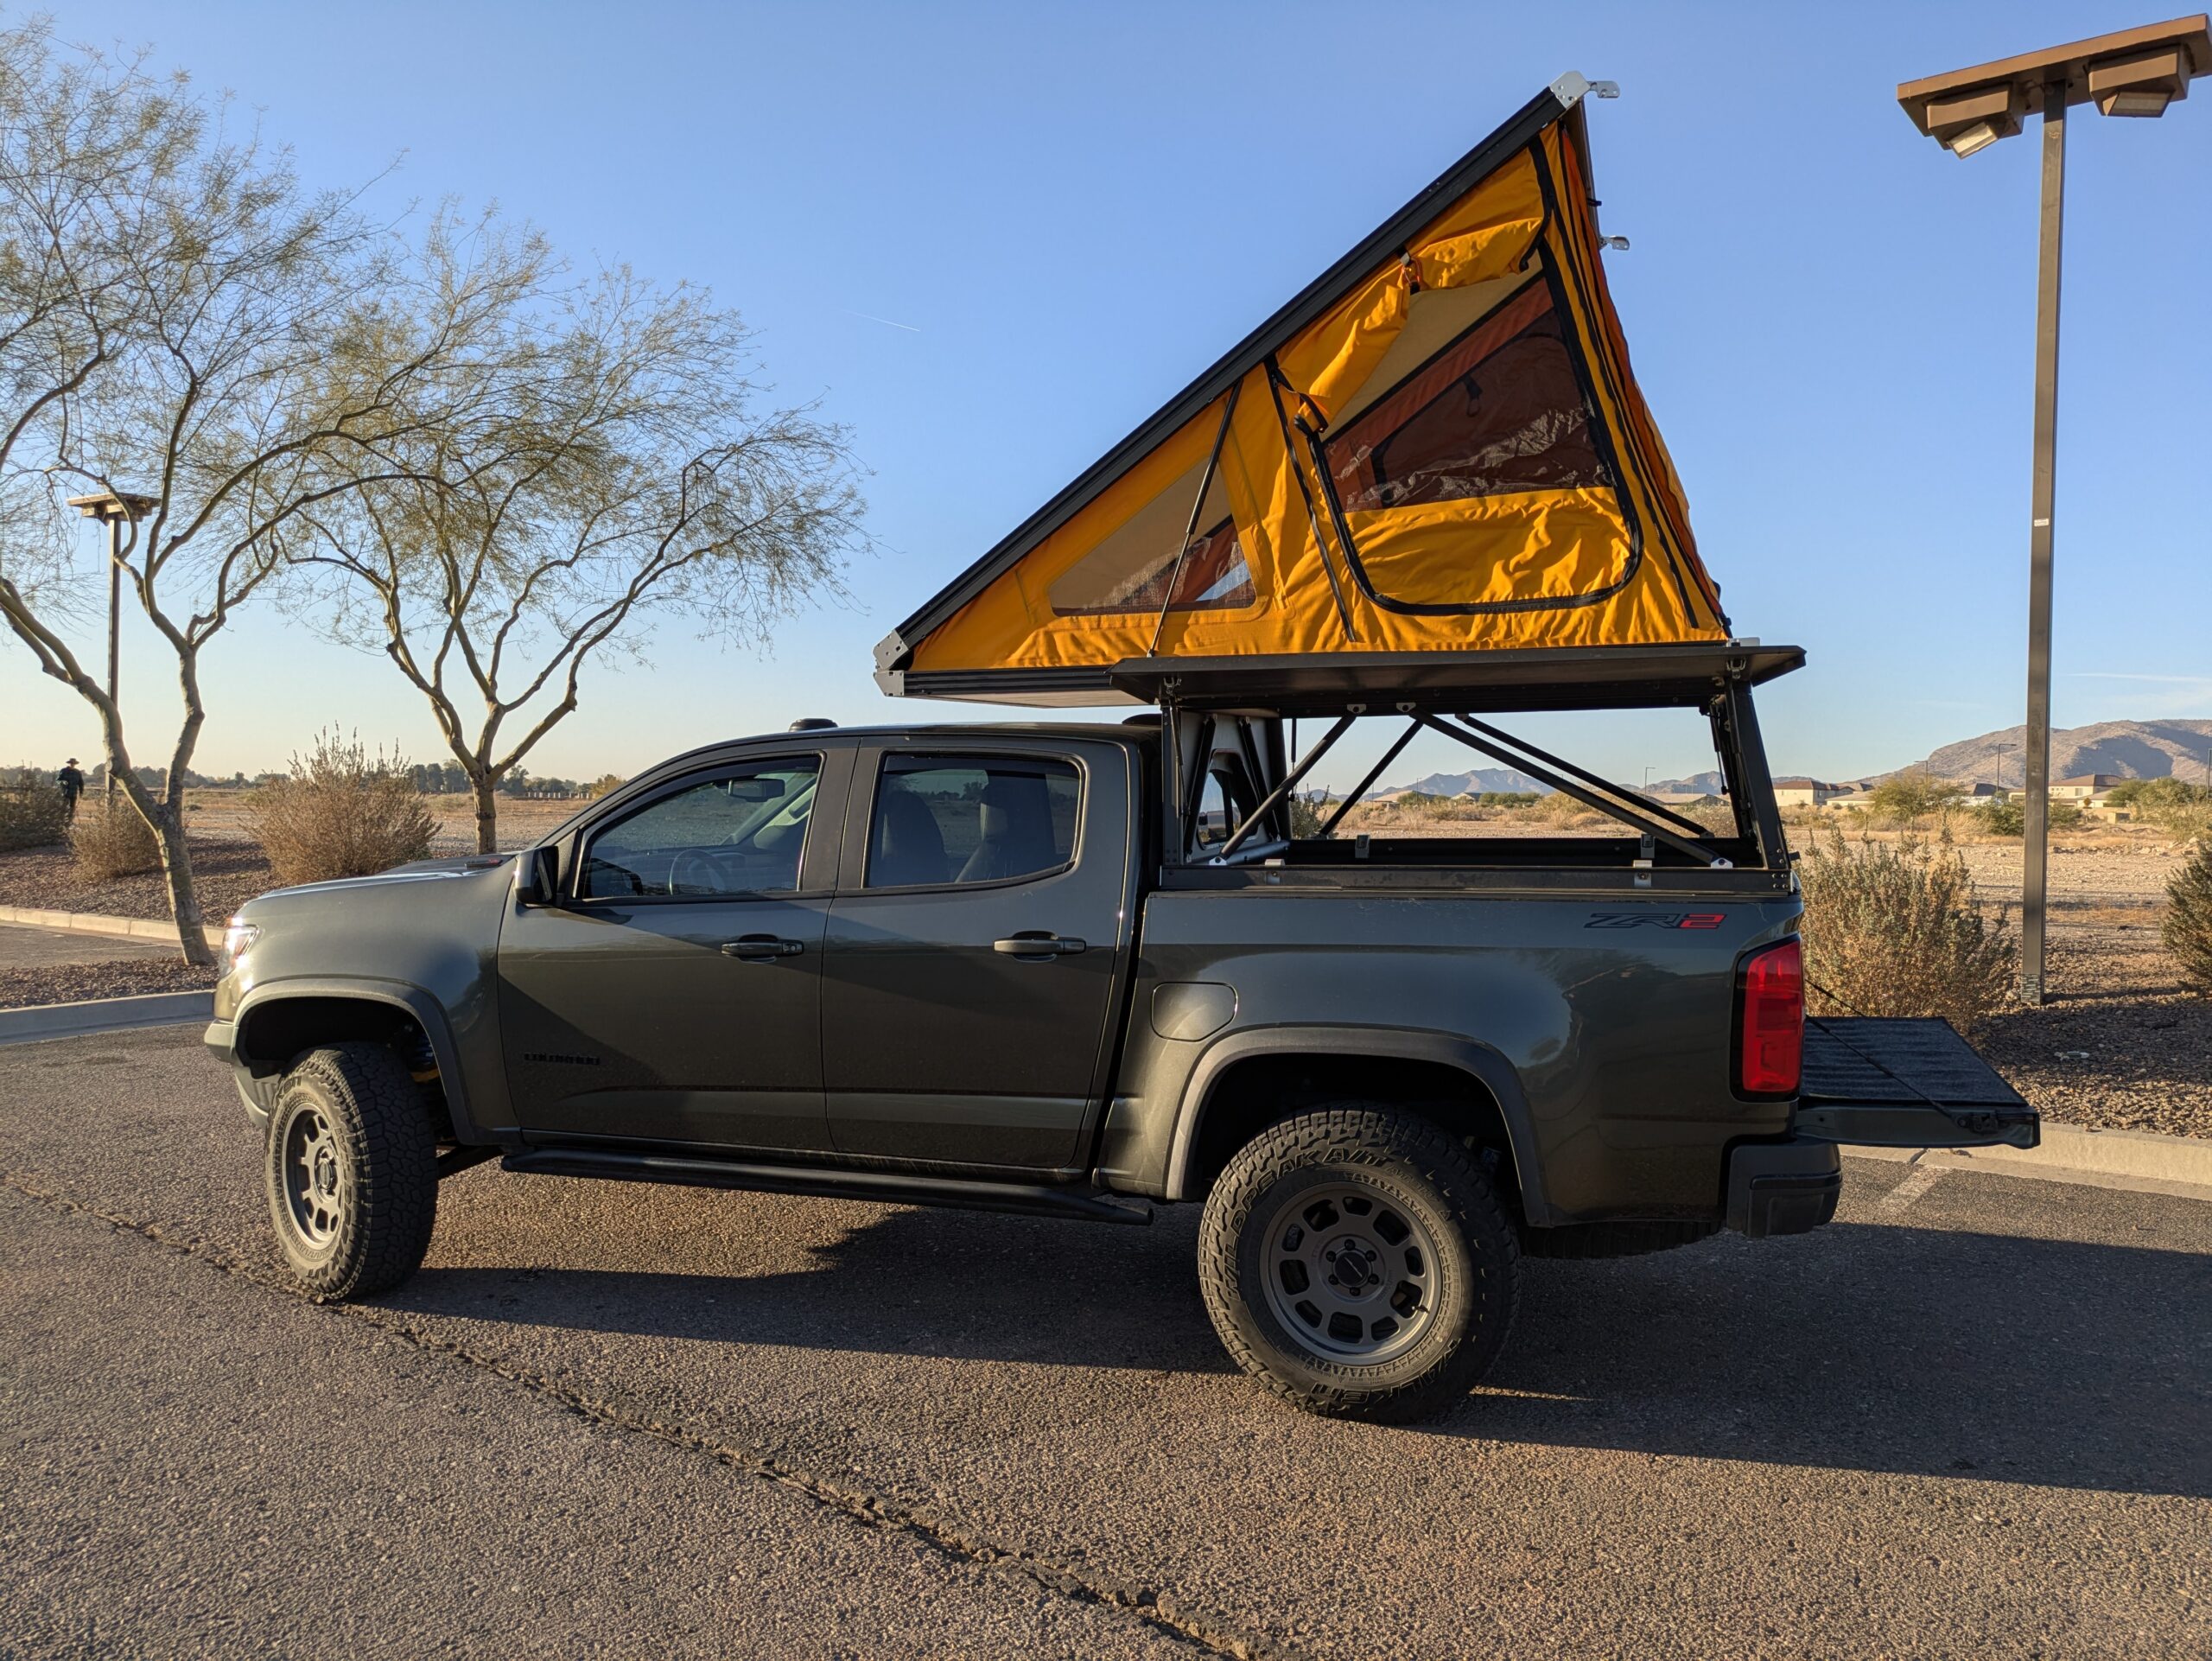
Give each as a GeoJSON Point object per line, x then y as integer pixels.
{"type": "Point", "coordinates": [537, 876]}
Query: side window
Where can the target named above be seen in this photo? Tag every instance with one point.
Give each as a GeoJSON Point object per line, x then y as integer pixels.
{"type": "Point", "coordinates": [971, 818]}
{"type": "Point", "coordinates": [1499, 409]}
{"type": "Point", "coordinates": [737, 832]}
{"type": "Point", "coordinates": [1225, 800]}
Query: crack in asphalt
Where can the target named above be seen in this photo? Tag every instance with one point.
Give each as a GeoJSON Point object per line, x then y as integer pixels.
{"type": "Point", "coordinates": [1187, 1624]}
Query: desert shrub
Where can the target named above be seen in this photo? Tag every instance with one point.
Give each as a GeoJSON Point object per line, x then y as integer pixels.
{"type": "Point", "coordinates": [109, 839]}
{"type": "Point", "coordinates": [32, 814]}
{"type": "Point", "coordinates": [1719, 819]}
{"type": "Point", "coordinates": [606, 785]}
{"type": "Point", "coordinates": [2188, 923]}
{"type": "Point", "coordinates": [1903, 798]}
{"type": "Point", "coordinates": [340, 813]}
{"type": "Point", "coordinates": [2007, 816]}
{"type": "Point", "coordinates": [1897, 929]}
{"type": "Point", "coordinates": [1508, 799]}
{"type": "Point", "coordinates": [2180, 809]}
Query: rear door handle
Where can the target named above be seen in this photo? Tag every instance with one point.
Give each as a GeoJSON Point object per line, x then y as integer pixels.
{"type": "Point", "coordinates": [762, 946]}
{"type": "Point", "coordinates": [1037, 943]}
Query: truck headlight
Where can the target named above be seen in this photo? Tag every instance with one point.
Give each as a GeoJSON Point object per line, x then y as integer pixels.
{"type": "Point", "coordinates": [237, 940]}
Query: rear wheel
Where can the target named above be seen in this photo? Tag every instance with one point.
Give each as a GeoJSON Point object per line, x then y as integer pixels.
{"type": "Point", "coordinates": [351, 1170]}
{"type": "Point", "coordinates": [1357, 1262]}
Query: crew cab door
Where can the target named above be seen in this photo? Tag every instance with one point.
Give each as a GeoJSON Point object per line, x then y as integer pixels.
{"type": "Point", "coordinates": [675, 993]}
{"type": "Point", "coordinates": [975, 949]}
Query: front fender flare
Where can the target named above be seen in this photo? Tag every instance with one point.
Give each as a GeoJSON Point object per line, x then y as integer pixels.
{"type": "Point", "coordinates": [427, 1012]}
{"type": "Point", "coordinates": [1479, 1060]}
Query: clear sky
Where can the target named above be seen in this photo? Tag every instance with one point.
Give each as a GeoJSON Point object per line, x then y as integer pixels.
{"type": "Point", "coordinates": [1072, 210]}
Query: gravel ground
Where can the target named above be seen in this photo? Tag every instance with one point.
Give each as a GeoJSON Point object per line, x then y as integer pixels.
{"type": "Point", "coordinates": [2122, 1043]}
{"type": "Point", "coordinates": [226, 873]}
{"type": "Point", "coordinates": [75, 983]}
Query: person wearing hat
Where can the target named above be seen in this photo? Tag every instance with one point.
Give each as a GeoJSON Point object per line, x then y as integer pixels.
{"type": "Point", "coordinates": [72, 785]}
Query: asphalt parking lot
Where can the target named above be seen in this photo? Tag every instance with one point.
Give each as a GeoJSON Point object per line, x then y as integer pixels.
{"type": "Point", "coordinates": [1973, 1418]}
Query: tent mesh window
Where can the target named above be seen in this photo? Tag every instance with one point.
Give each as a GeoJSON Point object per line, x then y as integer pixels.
{"type": "Point", "coordinates": [1212, 577]}
{"type": "Point", "coordinates": [1499, 409]}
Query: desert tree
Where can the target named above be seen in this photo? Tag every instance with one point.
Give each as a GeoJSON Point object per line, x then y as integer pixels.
{"type": "Point", "coordinates": [188, 323]}
{"type": "Point", "coordinates": [612, 463]}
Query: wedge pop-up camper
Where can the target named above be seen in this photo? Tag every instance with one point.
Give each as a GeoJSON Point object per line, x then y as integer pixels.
{"type": "Point", "coordinates": [1438, 446]}
{"type": "Point", "coordinates": [1428, 487]}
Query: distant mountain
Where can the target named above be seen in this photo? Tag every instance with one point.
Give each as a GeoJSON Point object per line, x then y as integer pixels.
{"type": "Point", "coordinates": [2127, 749]}
{"type": "Point", "coordinates": [1697, 784]}
{"type": "Point", "coordinates": [1473, 783]}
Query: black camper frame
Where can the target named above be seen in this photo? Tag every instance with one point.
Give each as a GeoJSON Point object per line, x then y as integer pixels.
{"type": "Point", "coordinates": [1243, 704]}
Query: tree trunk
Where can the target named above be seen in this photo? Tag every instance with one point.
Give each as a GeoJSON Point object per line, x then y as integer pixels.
{"type": "Point", "coordinates": [488, 814]}
{"type": "Point", "coordinates": [184, 898]}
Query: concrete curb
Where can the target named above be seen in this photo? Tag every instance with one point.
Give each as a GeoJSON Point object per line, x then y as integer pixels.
{"type": "Point", "coordinates": [2081, 1154]}
{"type": "Point", "coordinates": [93, 922]}
{"type": "Point", "coordinates": [43, 1020]}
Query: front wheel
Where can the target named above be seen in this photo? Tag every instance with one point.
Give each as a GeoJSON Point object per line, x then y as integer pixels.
{"type": "Point", "coordinates": [1358, 1263]}
{"type": "Point", "coordinates": [351, 1169]}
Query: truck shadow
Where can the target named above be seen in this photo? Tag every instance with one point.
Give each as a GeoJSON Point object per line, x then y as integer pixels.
{"type": "Point", "coordinates": [1938, 1352]}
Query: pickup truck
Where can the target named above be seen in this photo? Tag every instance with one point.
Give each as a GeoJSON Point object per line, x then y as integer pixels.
{"type": "Point", "coordinates": [1084, 969]}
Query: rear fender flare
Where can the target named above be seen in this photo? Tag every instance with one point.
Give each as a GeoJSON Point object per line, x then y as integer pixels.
{"type": "Point", "coordinates": [1479, 1060]}
{"type": "Point", "coordinates": [427, 1012]}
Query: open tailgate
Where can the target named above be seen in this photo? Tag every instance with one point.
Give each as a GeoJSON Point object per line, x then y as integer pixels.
{"type": "Point", "coordinates": [1885, 1082]}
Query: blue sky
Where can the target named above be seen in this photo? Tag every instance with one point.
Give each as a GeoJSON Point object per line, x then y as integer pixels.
{"type": "Point", "coordinates": [1073, 210]}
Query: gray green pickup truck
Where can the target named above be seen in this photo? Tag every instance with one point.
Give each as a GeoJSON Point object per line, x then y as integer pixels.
{"type": "Point", "coordinates": [1083, 970]}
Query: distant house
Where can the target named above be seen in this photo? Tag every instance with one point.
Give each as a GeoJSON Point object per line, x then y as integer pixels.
{"type": "Point", "coordinates": [2086, 788]}
{"type": "Point", "coordinates": [1806, 793]}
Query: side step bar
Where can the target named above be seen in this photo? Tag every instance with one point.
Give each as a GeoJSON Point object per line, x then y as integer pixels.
{"type": "Point", "coordinates": [890, 1187]}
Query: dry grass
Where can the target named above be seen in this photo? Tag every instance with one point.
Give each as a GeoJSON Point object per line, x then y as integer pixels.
{"type": "Point", "coordinates": [341, 813]}
{"type": "Point", "coordinates": [110, 840]}
{"type": "Point", "coordinates": [1897, 929]}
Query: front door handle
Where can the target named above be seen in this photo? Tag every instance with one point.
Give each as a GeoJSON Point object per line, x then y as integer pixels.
{"type": "Point", "coordinates": [757, 947]}
{"type": "Point", "coordinates": [1035, 943]}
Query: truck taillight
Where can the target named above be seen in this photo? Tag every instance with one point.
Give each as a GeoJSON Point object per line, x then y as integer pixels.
{"type": "Point", "coordinates": [1770, 1021]}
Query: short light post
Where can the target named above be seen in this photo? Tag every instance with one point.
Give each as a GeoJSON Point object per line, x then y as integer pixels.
{"type": "Point", "coordinates": [116, 508]}
{"type": "Point", "coordinates": [2135, 72]}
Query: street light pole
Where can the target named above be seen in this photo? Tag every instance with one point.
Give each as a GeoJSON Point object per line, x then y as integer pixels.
{"type": "Point", "coordinates": [114, 508]}
{"type": "Point", "coordinates": [2133, 72]}
{"type": "Point", "coordinates": [2035, 875]}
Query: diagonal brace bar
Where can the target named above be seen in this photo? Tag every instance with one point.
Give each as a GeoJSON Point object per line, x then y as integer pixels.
{"type": "Point", "coordinates": [1373, 773]}
{"type": "Point", "coordinates": [1635, 797]}
{"type": "Point", "coordinates": [1275, 796]}
{"type": "Point", "coordinates": [1609, 809]}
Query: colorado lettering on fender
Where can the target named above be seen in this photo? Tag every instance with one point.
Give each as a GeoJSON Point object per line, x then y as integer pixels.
{"type": "Point", "coordinates": [1656, 919]}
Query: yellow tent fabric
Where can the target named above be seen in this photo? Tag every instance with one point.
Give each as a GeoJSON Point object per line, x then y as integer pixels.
{"type": "Point", "coordinates": [1450, 454]}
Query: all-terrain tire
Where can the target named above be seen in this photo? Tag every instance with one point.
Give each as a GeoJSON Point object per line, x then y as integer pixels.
{"type": "Point", "coordinates": [351, 1169]}
{"type": "Point", "coordinates": [1424, 1180]}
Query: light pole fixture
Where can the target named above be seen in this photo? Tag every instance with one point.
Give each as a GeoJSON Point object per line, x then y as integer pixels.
{"type": "Point", "coordinates": [116, 508]}
{"type": "Point", "coordinates": [2135, 72]}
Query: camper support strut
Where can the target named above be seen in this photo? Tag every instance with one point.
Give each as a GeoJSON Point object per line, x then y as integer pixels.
{"type": "Point", "coordinates": [1197, 511]}
{"type": "Point", "coordinates": [1275, 384]}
